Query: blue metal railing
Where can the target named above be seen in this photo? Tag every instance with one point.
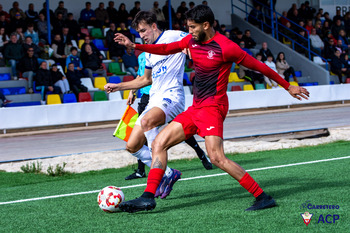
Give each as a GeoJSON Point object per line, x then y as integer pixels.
{"type": "Point", "coordinates": [272, 16]}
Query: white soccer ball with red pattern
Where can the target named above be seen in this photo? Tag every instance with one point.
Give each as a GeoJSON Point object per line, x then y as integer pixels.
{"type": "Point", "coordinates": [109, 198]}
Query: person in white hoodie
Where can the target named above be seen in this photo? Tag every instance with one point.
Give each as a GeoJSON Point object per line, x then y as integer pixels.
{"type": "Point", "coordinates": [316, 42]}
{"type": "Point", "coordinates": [269, 62]}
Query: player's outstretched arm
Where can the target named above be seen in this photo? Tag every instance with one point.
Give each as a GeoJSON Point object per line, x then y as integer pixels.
{"type": "Point", "coordinates": [298, 92]}
{"type": "Point", "coordinates": [123, 40]}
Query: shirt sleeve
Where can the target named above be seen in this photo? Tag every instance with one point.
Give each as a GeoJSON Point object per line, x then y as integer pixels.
{"type": "Point", "coordinates": [165, 49]}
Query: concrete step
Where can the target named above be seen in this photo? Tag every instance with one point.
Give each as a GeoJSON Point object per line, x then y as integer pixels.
{"type": "Point", "coordinates": [24, 98]}
{"type": "Point", "coordinates": [14, 83]}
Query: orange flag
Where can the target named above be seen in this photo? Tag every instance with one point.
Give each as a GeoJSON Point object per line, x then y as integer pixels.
{"type": "Point", "coordinates": [126, 124]}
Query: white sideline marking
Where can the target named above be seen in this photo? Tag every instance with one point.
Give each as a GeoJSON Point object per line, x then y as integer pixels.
{"type": "Point", "coordinates": [190, 178]}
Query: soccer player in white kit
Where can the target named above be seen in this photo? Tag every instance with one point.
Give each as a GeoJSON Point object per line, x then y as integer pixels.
{"type": "Point", "coordinates": [167, 98]}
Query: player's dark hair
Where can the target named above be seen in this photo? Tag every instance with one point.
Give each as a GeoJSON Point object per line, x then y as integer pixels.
{"type": "Point", "coordinates": [201, 14]}
{"type": "Point", "coordinates": [144, 16]}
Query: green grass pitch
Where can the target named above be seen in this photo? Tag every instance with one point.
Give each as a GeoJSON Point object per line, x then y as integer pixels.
{"type": "Point", "coordinates": [211, 204]}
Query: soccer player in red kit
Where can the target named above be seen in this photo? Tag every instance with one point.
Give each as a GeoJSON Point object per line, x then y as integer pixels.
{"type": "Point", "coordinates": [213, 55]}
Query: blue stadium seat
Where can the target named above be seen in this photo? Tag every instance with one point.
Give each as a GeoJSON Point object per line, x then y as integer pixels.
{"type": "Point", "coordinates": [69, 98]}
{"type": "Point", "coordinates": [99, 44]}
{"type": "Point", "coordinates": [5, 77]}
{"type": "Point", "coordinates": [187, 80]}
{"type": "Point", "coordinates": [114, 79]}
{"type": "Point", "coordinates": [13, 90]}
{"type": "Point", "coordinates": [23, 104]}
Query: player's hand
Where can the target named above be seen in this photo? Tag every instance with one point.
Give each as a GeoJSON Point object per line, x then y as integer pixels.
{"type": "Point", "coordinates": [123, 40]}
{"type": "Point", "coordinates": [187, 52]}
{"type": "Point", "coordinates": [131, 98]}
{"type": "Point", "coordinates": [111, 87]}
{"type": "Point", "coordinates": [298, 92]}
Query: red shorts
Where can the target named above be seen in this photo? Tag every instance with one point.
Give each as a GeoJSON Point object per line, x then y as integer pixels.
{"type": "Point", "coordinates": [204, 121]}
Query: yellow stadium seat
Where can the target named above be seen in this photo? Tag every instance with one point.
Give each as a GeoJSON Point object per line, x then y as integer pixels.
{"type": "Point", "coordinates": [268, 86]}
{"type": "Point", "coordinates": [234, 78]}
{"type": "Point", "coordinates": [80, 43]}
{"type": "Point", "coordinates": [54, 99]}
{"type": "Point", "coordinates": [248, 87]}
{"type": "Point", "coordinates": [286, 41]}
{"type": "Point", "coordinates": [126, 94]}
{"type": "Point", "coordinates": [236, 66]}
{"type": "Point", "coordinates": [332, 73]}
{"type": "Point", "coordinates": [100, 82]}
{"type": "Point", "coordinates": [293, 83]}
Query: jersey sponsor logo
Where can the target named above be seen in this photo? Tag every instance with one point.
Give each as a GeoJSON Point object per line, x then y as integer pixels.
{"type": "Point", "coordinates": [210, 128]}
{"type": "Point", "coordinates": [211, 54]}
{"type": "Point", "coordinates": [161, 71]}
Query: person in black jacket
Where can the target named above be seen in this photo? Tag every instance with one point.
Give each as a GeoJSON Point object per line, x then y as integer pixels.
{"type": "Point", "coordinates": [339, 67]}
{"type": "Point", "coordinates": [92, 63]}
{"type": "Point", "coordinates": [116, 51]}
{"type": "Point", "coordinates": [249, 42]}
{"type": "Point", "coordinates": [74, 77]}
{"type": "Point", "coordinates": [265, 52]}
{"type": "Point", "coordinates": [29, 65]}
{"type": "Point", "coordinates": [44, 82]}
{"type": "Point", "coordinates": [59, 80]}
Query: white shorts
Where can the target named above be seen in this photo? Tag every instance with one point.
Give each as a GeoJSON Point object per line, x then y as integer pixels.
{"type": "Point", "coordinates": [171, 102]}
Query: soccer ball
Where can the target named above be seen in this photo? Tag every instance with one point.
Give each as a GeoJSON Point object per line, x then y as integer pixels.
{"type": "Point", "coordinates": [109, 198]}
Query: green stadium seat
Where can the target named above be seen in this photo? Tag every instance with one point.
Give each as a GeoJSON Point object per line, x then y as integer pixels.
{"type": "Point", "coordinates": [97, 33]}
{"type": "Point", "coordinates": [259, 86]}
{"type": "Point", "coordinates": [114, 68]}
{"type": "Point", "coordinates": [100, 96]}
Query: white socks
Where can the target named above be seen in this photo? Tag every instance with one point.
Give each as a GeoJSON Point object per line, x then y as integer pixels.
{"type": "Point", "coordinates": [144, 155]}
{"type": "Point", "coordinates": [150, 136]}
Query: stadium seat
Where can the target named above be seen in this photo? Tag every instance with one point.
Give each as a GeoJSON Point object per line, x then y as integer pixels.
{"type": "Point", "coordinates": [100, 83]}
{"type": "Point", "coordinates": [128, 78]}
{"type": "Point", "coordinates": [187, 69]}
{"type": "Point", "coordinates": [105, 68]}
{"type": "Point", "coordinates": [80, 43]}
{"type": "Point", "coordinates": [53, 99]}
{"type": "Point", "coordinates": [13, 90]}
{"type": "Point", "coordinates": [126, 94]}
{"type": "Point", "coordinates": [100, 96]}
{"type": "Point", "coordinates": [248, 87]}
{"type": "Point", "coordinates": [298, 74]}
{"type": "Point", "coordinates": [69, 98]}
{"type": "Point", "coordinates": [105, 30]}
{"type": "Point", "coordinates": [97, 33]}
{"type": "Point", "coordinates": [115, 96]}
{"type": "Point", "coordinates": [259, 86]}
{"type": "Point", "coordinates": [187, 90]}
{"type": "Point", "coordinates": [186, 80]}
{"type": "Point", "coordinates": [5, 77]}
{"type": "Point", "coordinates": [114, 79]}
{"type": "Point", "coordinates": [84, 97]}
{"type": "Point", "coordinates": [347, 80]}
{"type": "Point", "coordinates": [192, 74]}
{"type": "Point", "coordinates": [99, 45]}
{"type": "Point", "coordinates": [234, 78]}
{"type": "Point", "coordinates": [114, 68]}
{"type": "Point", "coordinates": [293, 83]}
{"type": "Point", "coordinates": [236, 67]}
{"type": "Point", "coordinates": [85, 31]}
{"type": "Point", "coordinates": [236, 88]}
{"type": "Point", "coordinates": [88, 83]}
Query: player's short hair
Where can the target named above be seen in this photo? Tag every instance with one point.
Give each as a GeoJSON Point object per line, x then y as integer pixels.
{"type": "Point", "coordinates": [144, 16]}
{"type": "Point", "coordinates": [200, 14]}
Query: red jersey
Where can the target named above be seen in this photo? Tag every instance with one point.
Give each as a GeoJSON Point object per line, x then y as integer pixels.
{"type": "Point", "coordinates": [213, 60]}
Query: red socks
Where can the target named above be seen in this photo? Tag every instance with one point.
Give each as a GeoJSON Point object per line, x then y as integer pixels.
{"type": "Point", "coordinates": [155, 176]}
{"type": "Point", "coordinates": [250, 185]}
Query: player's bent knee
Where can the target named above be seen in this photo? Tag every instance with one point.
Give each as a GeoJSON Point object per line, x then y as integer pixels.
{"type": "Point", "coordinates": [132, 148]}
{"type": "Point", "coordinates": [158, 144]}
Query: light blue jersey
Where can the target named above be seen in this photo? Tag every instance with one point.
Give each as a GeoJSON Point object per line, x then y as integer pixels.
{"type": "Point", "coordinates": [141, 71]}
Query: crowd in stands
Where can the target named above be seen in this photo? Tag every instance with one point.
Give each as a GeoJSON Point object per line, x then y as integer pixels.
{"type": "Point", "coordinates": [326, 35]}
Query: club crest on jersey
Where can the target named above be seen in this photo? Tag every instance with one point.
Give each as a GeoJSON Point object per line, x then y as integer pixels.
{"type": "Point", "coordinates": [211, 54]}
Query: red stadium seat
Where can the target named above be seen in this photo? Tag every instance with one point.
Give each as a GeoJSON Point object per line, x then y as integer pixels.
{"type": "Point", "coordinates": [347, 80]}
{"type": "Point", "coordinates": [84, 97]}
{"type": "Point", "coordinates": [236, 88]}
{"type": "Point", "coordinates": [128, 78]}
{"type": "Point", "coordinates": [192, 74]}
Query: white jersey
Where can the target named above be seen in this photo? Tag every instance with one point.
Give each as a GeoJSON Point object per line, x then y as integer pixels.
{"type": "Point", "coordinates": [167, 71]}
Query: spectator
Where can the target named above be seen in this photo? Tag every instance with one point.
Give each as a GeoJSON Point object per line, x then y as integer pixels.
{"type": "Point", "coordinates": [4, 100]}
{"type": "Point", "coordinates": [205, 3]}
{"type": "Point", "coordinates": [44, 12]}
{"type": "Point", "coordinates": [4, 24]}
{"type": "Point", "coordinates": [116, 51]}
{"type": "Point", "coordinates": [251, 75]}
{"type": "Point", "coordinates": [28, 43]}
{"type": "Point", "coordinates": [123, 14]}
{"type": "Point", "coordinates": [4, 13]}
{"type": "Point", "coordinates": [269, 62]}
{"type": "Point", "coordinates": [249, 42]}
{"type": "Point", "coordinates": [160, 16]}
{"type": "Point", "coordinates": [29, 65]}
{"type": "Point", "coordinates": [13, 52]}
{"type": "Point", "coordinates": [302, 12]}
{"type": "Point", "coordinates": [92, 63]}
{"type": "Point", "coordinates": [74, 77]}
{"type": "Point", "coordinates": [182, 9]}
{"type": "Point", "coordinates": [295, 17]}
{"type": "Point", "coordinates": [347, 23]}
{"type": "Point", "coordinates": [32, 34]}
{"type": "Point", "coordinates": [325, 29]}
{"type": "Point", "coordinates": [42, 27]}
{"type": "Point", "coordinates": [191, 5]}
{"type": "Point", "coordinates": [44, 82]}
{"type": "Point", "coordinates": [31, 15]}
{"type": "Point", "coordinates": [341, 48]}
{"type": "Point", "coordinates": [328, 19]}
{"type": "Point", "coordinates": [239, 37]}
{"type": "Point", "coordinates": [59, 50]}
{"type": "Point", "coordinates": [302, 43]}
{"type": "Point", "coordinates": [17, 22]}
{"type": "Point", "coordinates": [59, 80]}
{"type": "Point", "coordinates": [58, 24]}
{"type": "Point", "coordinates": [265, 52]}
{"type": "Point", "coordinates": [216, 26]}
{"type": "Point", "coordinates": [291, 10]}
{"type": "Point", "coordinates": [73, 26]}
{"type": "Point", "coordinates": [316, 42]}
{"type": "Point", "coordinates": [288, 33]}
{"type": "Point", "coordinates": [255, 16]}
{"type": "Point", "coordinates": [15, 9]}
{"type": "Point", "coordinates": [283, 18]}
{"type": "Point", "coordinates": [338, 16]}
{"type": "Point", "coordinates": [329, 49]}
{"type": "Point", "coordinates": [66, 36]}
{"type": "Point", "coordinates": [330, 36]}
{"type": "Point", "coordinates": [165, 10]}
{"type": "Point", "coordinates": [344, 39]}
{"type": "Point", "coordinates": [178, 23]}
{"type": "Point", "coordinates": [87, 15]}
{"type": "Point", "coordinates": [125, 31]}
{"type": "Point", "coordinates": [112, 12]}
{"type": "Point", "coordinates": [130, 62]}
{"type": "Point", "coordinates": [136, 9]}
{"type": "Point", "coordinates": [102, 16]}
{"type": "Point", "coordinates": [338, 66]}
{"type": "Point", "coordinates": [283, 68]}
{"type": "Point", "coordinates": [309, 25]}
{"type": "Point", "coordinates": [75, 59]}
{"type": "Point", "coordinates": [337, 27]}
{"type": "Point", "coordinates": [310, 11]}
{"type": "Point", "coordinates": [318, 27]}
{"type": "Point", "coordinates": [223, 28]}
{"type": "Point", "coordinates": [60, 9]}
{"type": "Point", "coordinates": [242, 45]}
{"type": "Point", "coordinates": [20, 35]}
{"type": "Point", "coordinates": [4, 39]}
{"type": "Point", "coordinates": [92, 45]}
